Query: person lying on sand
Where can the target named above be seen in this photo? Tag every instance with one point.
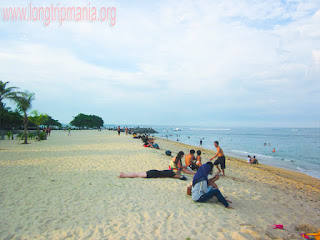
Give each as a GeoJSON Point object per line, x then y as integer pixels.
{"type": "Point", "coordinates": [204, 189]}
{"type": "Point", "coordinates": [154, 174]}
{"type": "Point", "coordinates": [136, 136]}
{"type": "Point", "coordinates": [176, 164]}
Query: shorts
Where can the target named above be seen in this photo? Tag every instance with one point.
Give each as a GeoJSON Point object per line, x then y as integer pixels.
{"type": "Point", "coordinates": [193, 166]}
{"type": "Point", "coordinates": [221, 161]}
{"type": "Point", "coordinates": [160, 174]}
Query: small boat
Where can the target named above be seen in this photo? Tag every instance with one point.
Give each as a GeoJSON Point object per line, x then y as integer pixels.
{"type": "Point", "coordinates": [177, 129]}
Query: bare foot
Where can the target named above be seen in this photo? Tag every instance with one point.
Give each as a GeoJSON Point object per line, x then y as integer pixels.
{"type": "Point", "coordinates": [229, 201]}
{"type": "Point", "coordinates": [229, 207]}
{"type": "Point", "coordinates": [121, 175]}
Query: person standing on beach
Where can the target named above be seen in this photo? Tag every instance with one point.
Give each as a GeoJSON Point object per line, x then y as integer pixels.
{"type": "Point", "coordinates": [221, 158]}
{"type": "Point", "coordinates": [126, 130]}
{"type": "Point", "coordinates": [69, 131]}
{"type": "Point", "coordinates": [118, 130]}
{"type": "Point", "coordinates": [200, 143]}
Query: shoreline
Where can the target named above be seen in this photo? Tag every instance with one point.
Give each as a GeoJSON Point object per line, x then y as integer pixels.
{"type": "Point", "coordinates": [241, 142]}
{"type": "Point", "coordinates": [277, 171]}
{"type": "Point", "coordinates": [239, 158]}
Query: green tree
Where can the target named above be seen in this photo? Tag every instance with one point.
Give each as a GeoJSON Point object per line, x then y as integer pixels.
{"type": "Point", "coordinates": [87, 121]}
{"type": "Point", "coordinates": [52, 122]}
{"type": "Point", "coordinates": [6, 93]}
{"type": "Point", "coordinates": [10, 119]}
{"type": "Point", "coordinates": [24, 103]}
{"type": "Point", "coordinates": [38, 119]}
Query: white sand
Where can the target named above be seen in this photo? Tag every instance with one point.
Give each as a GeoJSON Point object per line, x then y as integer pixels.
{"type": "Point", "coordinates": [67, 187]}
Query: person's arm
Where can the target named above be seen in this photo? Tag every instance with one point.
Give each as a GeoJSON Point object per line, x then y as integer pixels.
{"type": "Point", "coordinates": [185, 170]}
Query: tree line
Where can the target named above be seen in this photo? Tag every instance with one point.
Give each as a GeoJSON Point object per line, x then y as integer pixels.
{"type": "Point", "coordinates": [19, 117]}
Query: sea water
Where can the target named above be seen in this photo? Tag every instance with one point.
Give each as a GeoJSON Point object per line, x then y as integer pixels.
{"type": "Point", "coordinates": [295, 149]}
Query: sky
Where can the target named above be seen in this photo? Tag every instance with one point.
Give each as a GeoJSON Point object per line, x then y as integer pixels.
{"type": "Point", "coordinates": [232, 63]}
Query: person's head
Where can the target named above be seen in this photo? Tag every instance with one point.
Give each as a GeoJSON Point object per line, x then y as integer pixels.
{"type": "Point", "coordinates": [216, 143]}
{"type": "Point", "coordinates": [248, 156]}
{"type": "Point", "coordinates": [199, 152]}
{"type": "Point", "coordinates": [192, 151]}
{"type": "Point", "coordinates": [211, 165]}
{"type": "Point", "coordinates": [254, 156]}
{"type": "Point", "coordinates": [180, 155]}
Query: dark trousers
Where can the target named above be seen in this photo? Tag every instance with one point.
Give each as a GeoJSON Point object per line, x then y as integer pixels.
{"type": "Point", "coordinates": [213, 192]}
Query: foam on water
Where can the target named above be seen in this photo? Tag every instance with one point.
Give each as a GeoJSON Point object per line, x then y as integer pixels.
{"type": "Point", "coordinates": [296, 149]}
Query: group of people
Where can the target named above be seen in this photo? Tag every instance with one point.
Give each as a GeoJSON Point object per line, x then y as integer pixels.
{"type": "Point", "coordinates": [126, 130]}
{"type": "Point", "coordinates": [147, 141]}
{"type": "Point", "coordinates": [202, 189]}
{"type": "Point", "coordinates": [252, 160]}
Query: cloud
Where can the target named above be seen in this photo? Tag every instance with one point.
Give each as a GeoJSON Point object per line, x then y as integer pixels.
{"type": "Point", "coordinates": [218, 57]}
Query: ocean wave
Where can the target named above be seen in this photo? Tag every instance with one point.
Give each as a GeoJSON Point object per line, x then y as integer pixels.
{"type": "Point", "coordinates": [210, 129]}
{"type": "Point", "coordinates": [253, 154]}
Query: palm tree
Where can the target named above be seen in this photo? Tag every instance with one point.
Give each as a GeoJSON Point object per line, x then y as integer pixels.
{"type": "Point", "coordinates": [6, 93]}
{"type": "Point", "coordinates": [23, 101]}
{"type": "Point", "coordinates": [38, 119]}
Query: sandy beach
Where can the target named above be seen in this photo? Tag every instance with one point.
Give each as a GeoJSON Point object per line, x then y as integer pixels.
{"type": "Point", "coordinates": [68, 188]}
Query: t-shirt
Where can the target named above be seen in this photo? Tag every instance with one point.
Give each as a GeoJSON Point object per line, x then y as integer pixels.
{"type": "Point", "coordinates": [249, 160]}
{"type": "Point", "coordinates": [199, 189]}
{"type": "Point", "coordinates": [174, 166]}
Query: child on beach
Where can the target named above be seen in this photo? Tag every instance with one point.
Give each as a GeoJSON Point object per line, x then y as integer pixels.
{"type": "Point", "coordinates": [198, 163]}
{"type": "Point", "coordinates": [204, 189]}
{"type": "Point", "coordinates": [254, 160]}
{"type": "Point", "coordinates": [221, 158]}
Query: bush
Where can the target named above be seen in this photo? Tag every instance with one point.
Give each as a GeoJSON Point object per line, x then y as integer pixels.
{"type": "Point", "coordinates": [30, 136]}
{"type": "Point", "coordinates": [9, 135]}
{"type": "Point", "coordinates": [43, 136]}
{"type": "Point", "coordinates": [20, 136]}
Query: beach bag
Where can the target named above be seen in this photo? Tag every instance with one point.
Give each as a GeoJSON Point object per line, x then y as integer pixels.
{"type": "Point", "coordinates": [168, 153]}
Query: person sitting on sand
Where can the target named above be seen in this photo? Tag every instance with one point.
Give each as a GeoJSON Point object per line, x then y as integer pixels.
{"type": "Point", "coordinates": [145, 140]}
{"type": "Point", "coordinates": [249, 159]}
{"type": "Point", "coordinates": [152, 144]}
{"type": "Point", "coordinates": [176, 164]}
{"type": "Point", "coordinates": [190, 160]}
{"type": "Point", "coordinates": [254, 160]}
{"type": "Point", "coordinates": [221, 158]}
{"type": "Point", "coordinates": [198, 162]}
{"type": "Point", "coordinates": [203, 189]}
{"type": "Point", "coordinates": [136, 136]}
